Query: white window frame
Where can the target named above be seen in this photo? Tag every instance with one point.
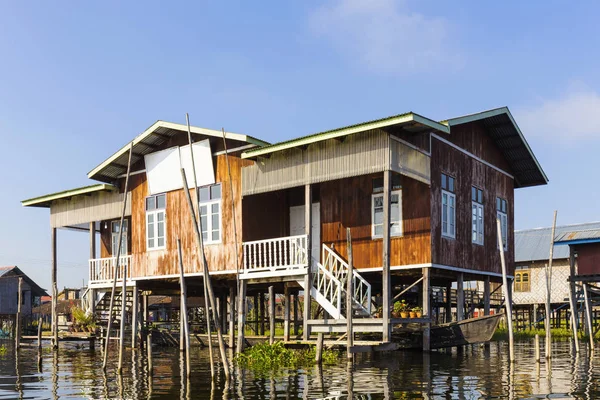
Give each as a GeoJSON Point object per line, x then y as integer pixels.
{"type": "Point", "coordinates": [450, 223]}
{"type": "Point", "coordinates": [209, 226]}
{"type": "Point", "coordinates": [477, 223]}
{"type": "Point", "coordinates": [155, 213]}
{"type": "Point", "coordinates": [398, 223]}
{"type": "Point", "coordinates": [503, 217]}
{"type": "Point", "coordinates": [114, 237]}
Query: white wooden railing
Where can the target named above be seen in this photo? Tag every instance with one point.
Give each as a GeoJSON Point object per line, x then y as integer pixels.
{"type": "Point", "coordinates": [102, 269]}
{"type": "Point", "coordinates": [338, 267]}
{"type": "Point", "coordinates": [283, 254]}
{"type": "Point", "coordinates": [330, 288]}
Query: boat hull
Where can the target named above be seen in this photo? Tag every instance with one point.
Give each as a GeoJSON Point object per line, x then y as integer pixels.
{"type": "Point", "coordinates": [468, 331]}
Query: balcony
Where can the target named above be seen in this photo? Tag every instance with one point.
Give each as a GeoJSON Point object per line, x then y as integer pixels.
{"type": "Point", "coordinates": [283, 256]}
{"type": "Point", "coordinates": [102, 270]}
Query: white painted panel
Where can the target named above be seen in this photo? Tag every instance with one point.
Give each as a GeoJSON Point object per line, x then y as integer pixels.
{"type": "Point", "coordinates": [203, 161]}
{"type": "Point", "coordinates": [163, 171]}
{"type": "Point", "coordinates": [297, 225]}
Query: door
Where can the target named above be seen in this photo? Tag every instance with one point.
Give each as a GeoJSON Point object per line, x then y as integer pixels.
{"type": "Point", "coordinates": [115, 232]}
{"type": "Point", "coordinates": [297, 226]}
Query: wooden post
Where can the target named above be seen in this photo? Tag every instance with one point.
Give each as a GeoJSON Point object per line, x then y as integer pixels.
{"type": "Point", "coordinates": [241, 316]}
{"type": "Point", "coordinates": [54, 292]}
{"type": "Point", "coordinates": [222, 301]}
{"type": "Point", "coordinates": [135, 316]}
{"type": "Point", "coordinates": [18, 327]}
{"type": "Point", "coordinates": [572, 303]}
{"type": "Point", "coordinates": [448, 310]}
{"type": "Point", "coordinates": [460, 297]}
{"type": "Point", "coordinates": [295, 309]}
{"type": "Point", "coordinates": [39, 336]}
{"type": "Point", "coordinates": [349, 291]}
{"type": "Point", "coordinates": [537, 347]}
{"type": "Point", "coordinates": [149, 352]}
{"type": "Point", "coordinates": [117, 262]}
{"type": "Point", "coordinates": [386, 289]}
{"type": "Point", "coordinates": [486, 296]}
{"type": "Point", "coordinates": [256, 314]}
{"type": "Point", "coordinates": [286, 313]}
{"type": "Point", "coordinates": [123, 316]}
{"type": "Point", "coordinates": [319, 355]}
{"type": "Point", "coordinates": [271, 315]}
{"type": "Point", "coordinates": [183, 312]}
{"type": "Point", "coordinates": [588, 314]}
{"type": "Point", "coordinates": [548, 290]}
{"type": "Point", "coordinates": [232, 300]}
{"type": "Point", "coordinates": [507, 296]}
{"type": "Point", "coordinates": [262, 313]}
{"type": "Point", "coordinates": [308, 277]}
{"type": "Point", "coordinates": [207, 282]}
{"type": "Point", "coordinates": [426, 308]}
{"type": "Point", "coordinates": [181, 328]}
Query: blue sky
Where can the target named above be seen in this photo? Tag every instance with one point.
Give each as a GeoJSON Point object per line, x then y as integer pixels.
{"type": "Point", "coordinates": [77, 83]}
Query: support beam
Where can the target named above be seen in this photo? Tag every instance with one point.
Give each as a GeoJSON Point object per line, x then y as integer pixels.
{"type": "Point", "coordinates": [232, 305]}
{"type": "Point", "coordinates": [261, 305]}
{"type": "Point", "coordinates": [286, 313]}
{"type": "Point", "coordinates": [460, 297]}
{"type": "Point", "coordinates": [308, 276]}
{"type": "Point", "coordinates": [349, 291]}
{"type": "Point", "coordinates": [296, 325]}
{"type": "Point", "coordinates": [486, 296]}
{"type": "Point", "coordinates": [271, 315]}
{"type": "Point", "coordinates": [386, 289]}
{"type": "Point", "coordinates": [426, 309]}
{"type": "Point", "coordinates": [54, 292]}
{"type": "Point", "coordinates": [135, 314]}
{"type": "Point", "coordinates": [507, 293]}
{"type": "Point", "coordinates": [18, 327]}
{"type": "Point", "coordinates": [588, 315]}
{"type": "Point", "coordinates": [448, 310]}
{"type": "Point", "coordinates": [572, 297]}
{"type": "Point", "coordinates": [256, 314]}
{"type": "Point", "coordinates": [241, 316]}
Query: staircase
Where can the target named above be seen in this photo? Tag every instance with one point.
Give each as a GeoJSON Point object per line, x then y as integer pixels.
{"type": "Point", "coordinates": [328, 287]}
{"type": "Point", "coordinates": [103, 304]}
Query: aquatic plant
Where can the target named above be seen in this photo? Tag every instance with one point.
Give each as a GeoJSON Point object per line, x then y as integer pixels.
{"type": "Point", "coordinates": [82, 319]}
{"type": "Point", "coordinates": [265, 357]}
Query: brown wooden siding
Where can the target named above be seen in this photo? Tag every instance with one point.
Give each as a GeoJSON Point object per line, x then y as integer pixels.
{"type": "Point", "coordinates": [220, 257]}
{"type": "Point", "coordinates": [106, 237]}
{"type": "Point", "coordinates": [266, 215]}
{"type": "Point", "coordinates": [588, 259]}
{"type": "Point", "coordinates": [461, 252]}
{"type": "Point", "coordinates": [347, 203]}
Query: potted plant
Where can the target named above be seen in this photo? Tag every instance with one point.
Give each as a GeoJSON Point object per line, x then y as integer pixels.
{"type": "Point", "coordinates": [418, 311]}
{"type": "Point", "coordinates": [400, 309]}
{"type": "Point", "coordinates": [379, 312]}
{"type": "Point", "coordinates": [412, 313]}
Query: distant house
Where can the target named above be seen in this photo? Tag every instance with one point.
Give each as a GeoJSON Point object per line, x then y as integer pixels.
{"type": "Point", "coordinates": [9, 292]}
{"type": "Point", "coordinates": [532, 249]}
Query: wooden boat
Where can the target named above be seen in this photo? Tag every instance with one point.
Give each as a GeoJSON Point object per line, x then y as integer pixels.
{"type": "Point", "coordinates": [468, 331]}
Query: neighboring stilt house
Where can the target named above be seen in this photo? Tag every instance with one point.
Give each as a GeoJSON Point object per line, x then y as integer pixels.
{"type": "Point", "coordinates": [420, 198]}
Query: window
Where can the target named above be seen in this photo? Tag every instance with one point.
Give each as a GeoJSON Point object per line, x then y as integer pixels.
{"type": "Point", "coordinates": [395, 214]}
{"type": "Point", "coordinates": [501, 213]}
{"type": "Point", "coordinates": [522, 281]}
{"type": "Point", "coordinates": [155, 221]}
{"type": "Point", "coordinates": [448, 207]}
{"type": "Point", "coordinates": [114, 227]}
{"type": "Point", "coordinates": [210, 213]}
{"type": "Point", "coordinates": [477, 215]}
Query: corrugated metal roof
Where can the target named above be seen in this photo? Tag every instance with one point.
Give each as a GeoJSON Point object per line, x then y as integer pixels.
{"type": "Point", "coordinates": [590, 235]}
{"type": "Point", "coordinates": [6, 270]}
{"type": "Point", "coordinates": [534, 244]}
{"type": "Point", "coordinates": [410, 121]}
{"type": "Point", "coordinates": [505, 132]}
{"type": "Point", "coordinates": [35, 288]}
{"type": "Point", "coordinates": [46, 200]}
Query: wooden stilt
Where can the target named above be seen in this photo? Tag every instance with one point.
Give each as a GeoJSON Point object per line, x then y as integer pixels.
{"type": "Point", "coordinates": [507, 296]}
{"type": "Point", "coordinates": [181, 327]}
{"type": "Point", "coordinates": [122, 322]}
{"type": "Point", "coordinates": [349, 291]}
{"type": "Point", "coordinates": [149, 352]}
{"type": "Point", "coordinates": [386, 283]}
{"type": "Point", "coordinates": [207, 282]}
{"type": "Point", "coordinates": [286, 313]}
{"type": "Point", "coordinates": [308, 277]}
{"type": "Point", "coordinates": [232, 301]}
{"type": "Point", "coordinates": [18, 327]}
{"type": "Point", "coordinates": [486, 296]}
{"type": "Point", "coordinates": [117, 263]}
{"type": "Point", "coordinates": [39, 336]}
{"type": "Point", "coordinates": [295, 308]}
{"type": "Point", "coordinates": [537, 347]}
{"type": "Point", "coordinates": [256, 314]}
{"type": "Point", "coordinates": [460, 297]}
{"type": "Point", "coordinates": [426, 309]}
{"type": "Point", "coordinates": [271, 315]}
{"type": "Point", "coordinates": [548, 290]}
{"type": "Point", "coordinates": [241, 316]}
{"type": "Point", "coordinates": [54, 293]}
{"type": "Point", "coordinates": [262, 313]}
{"type": "Point", "coordinates": [186, 326]}
{"type": "Point", "coordinates": [572, 304]}
{"type": "Point", "coordinates": [319, 354]}
{"type": "Point", "coordinates": [135, 316]}
{"type": "Point", "coordinates": [448, 310]}
{"type": "Point", "coordinates": [588, 314]}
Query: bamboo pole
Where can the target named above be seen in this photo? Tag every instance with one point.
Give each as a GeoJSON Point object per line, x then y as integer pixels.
{"type": "Point", "coordinates": [197, 218]}
{"type": "Point", "coordinates": [349, 329]}
{"type": "Point", "coordinates": [207, 282]}
{"type": "Point", "coordinates": [508, 300]}
{"type": "Point", "coordinates": [18, 316]}
{"type": "Point", "coordinates": [549, 289]}
{"type": "Point", "coordinates": [286, 313]}
{"type": "Point", "coordinates": [116, 268]}
{"type": "Point", "coordinates": [271, 314]}
{"type": "Point", "coordinates": [39, 336]}
{"type": "Point", "coordinates": [537, 348]}
{"type": "Point", "coordinates": [588, 314]}
{"type": "Point", "coordinates": [232, 302]}
{"type": "Point", "coordinates": [54, 292]}
{"type": "Point", "coordinates": [122, 322]}
{"type": "Point", "coordinates": [183, 312]}
{"type": "Point", "coordinates": [572, 303]}
{"type": "Point", "coordinates": [241, 293]}
{"type": "Point", "coordinates": [149, 352]}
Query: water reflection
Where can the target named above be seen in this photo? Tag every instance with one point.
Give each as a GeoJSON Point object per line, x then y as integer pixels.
{"type": "Point", "coordinates": [475, 372]}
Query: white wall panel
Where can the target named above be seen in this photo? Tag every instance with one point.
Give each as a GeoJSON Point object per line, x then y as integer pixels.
{"type": "Point", "coordinates": [203, 161]}
{"type": "Point", "coordinates": [163, 170]}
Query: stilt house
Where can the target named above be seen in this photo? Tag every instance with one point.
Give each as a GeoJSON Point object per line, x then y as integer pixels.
{"type": "Point", "coordinates": [420, 197]}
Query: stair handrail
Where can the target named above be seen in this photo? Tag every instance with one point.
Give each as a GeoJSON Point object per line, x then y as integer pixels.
{"type": "Point", "coordinates": [319, 269]}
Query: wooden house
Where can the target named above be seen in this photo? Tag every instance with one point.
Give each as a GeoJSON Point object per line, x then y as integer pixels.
{"type": "Point", "coordinates": [31, 294]}
{"type": "Point", "coordinates": [419, 197]}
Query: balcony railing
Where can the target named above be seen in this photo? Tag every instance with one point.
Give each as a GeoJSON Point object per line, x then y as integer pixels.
{"type": "Point", "coordinates": [278, 256]}
{"type": "Point", "coordinates": [102, 269]}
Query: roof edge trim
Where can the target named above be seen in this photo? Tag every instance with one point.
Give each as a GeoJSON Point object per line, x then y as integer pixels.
{"type": "Point", "coordinates": [41, 201]}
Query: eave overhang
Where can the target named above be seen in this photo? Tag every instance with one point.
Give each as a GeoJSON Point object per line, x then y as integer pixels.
{"type": "Point", "coordinates": [46, 200]}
